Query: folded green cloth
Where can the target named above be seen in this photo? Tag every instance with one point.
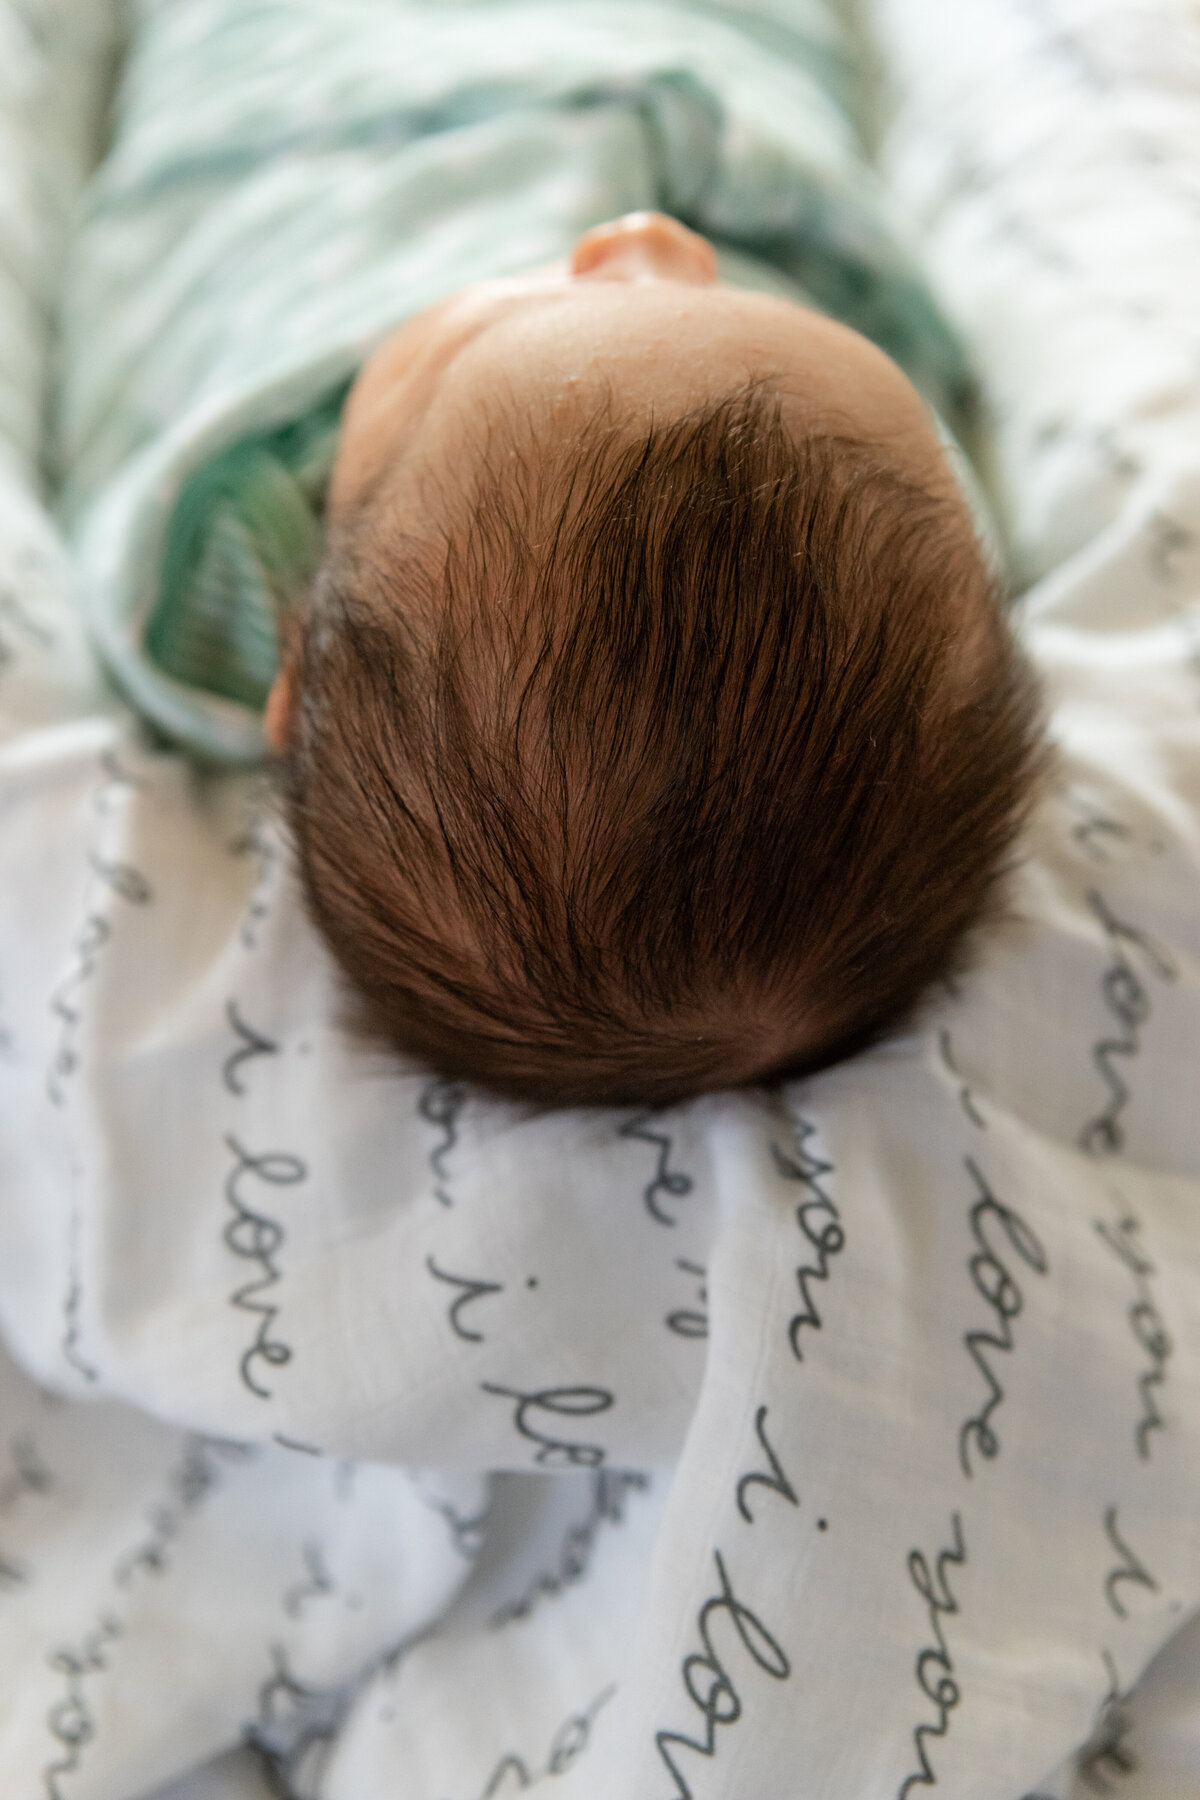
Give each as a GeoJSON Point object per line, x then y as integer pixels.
{"type": "Point", "coordinates": [242, 543]}
{"type": "Point", "coordinates": [288, 179]}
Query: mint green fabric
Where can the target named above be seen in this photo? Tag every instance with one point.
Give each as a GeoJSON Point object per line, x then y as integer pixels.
{"type": "Point", "coordinates": [243, 542]}
{"type": "Point", "coordinates": [288, 179]}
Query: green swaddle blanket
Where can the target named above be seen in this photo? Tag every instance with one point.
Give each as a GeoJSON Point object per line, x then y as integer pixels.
{"type": "Point", "coordinates": [242, 543]}
{"type": "Point", "coordinates": [289, 179]}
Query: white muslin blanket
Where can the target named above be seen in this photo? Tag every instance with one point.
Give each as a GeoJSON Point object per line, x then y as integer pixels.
{"type": "Point", "coordinates": [841, 1441]}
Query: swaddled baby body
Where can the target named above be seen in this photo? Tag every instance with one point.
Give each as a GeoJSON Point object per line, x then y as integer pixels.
{"type": "Point", "coordinates": [651, 722]}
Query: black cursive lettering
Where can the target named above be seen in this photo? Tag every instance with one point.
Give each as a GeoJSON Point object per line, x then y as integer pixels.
{"type": "Point", "coordinates": [1107, 1756]}
{"type": "Point", "coordinates": [72, 1338]}
{"type": "Point", "coordinates": [113, 877]}
{"type": "Point", "coordinates": [70, 1720]}
{"type": "Point", "coordinates": [257, 1237]}
{"type": "Point", "coordinates": [819, 1222]}
{"type": "Point", "coordinates": [256, 841]}
{"type": "Point", "coordinates": [610, 1492]}
{"type": "Point", "coordinates": [1128, 1001]}
{"type": "Point", "coordinates": [251, 1043]}
{"type": "Point", "coordinates": [776, 1481]}
{"type": "Point", "coordinates": [189, 1484]}
{"type": "Point", "coordinates": [707, 1681]}
{"type": "Point", "coordinates": [691, 1321]}
{"type": "Point", "coordinates": [564, 1402]}
{"type": "Point", "coordinates": [665, 1180]}
{"type": "Point", "coordinates": [466, 1529]}
{"type": "Point", "coordinates": [965, 1097]}
{"type": "Point", "coordinates": [1129, 1568]}
{"type": "Point", "coordinates": [441, 1105]}
{"type": "Point", "coordinates": [1145, 1322]}
{"type": "Point", "coordinates": [471, 1290]}
{"type": "Point", "coordinates": [996, 1285]}
{"type": "Point", "coordinates": [934, 1665]}
{"type": "Point", "coordinates": [566, 1747]}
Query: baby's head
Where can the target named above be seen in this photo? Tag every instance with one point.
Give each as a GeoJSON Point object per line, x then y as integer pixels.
{"type": "Point", "coordinates": [653, 725]}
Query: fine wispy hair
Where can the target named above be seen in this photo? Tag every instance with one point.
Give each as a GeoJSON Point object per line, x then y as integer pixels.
{"type": "Point", "coordinates": [675, 760]}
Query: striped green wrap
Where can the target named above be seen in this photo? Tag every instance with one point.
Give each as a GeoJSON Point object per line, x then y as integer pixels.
{"type": "Point", "coordinates": [288, 179]}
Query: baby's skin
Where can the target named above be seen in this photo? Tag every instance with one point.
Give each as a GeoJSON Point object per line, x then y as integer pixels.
{"type": "Point", "coordinates": [634, 315]}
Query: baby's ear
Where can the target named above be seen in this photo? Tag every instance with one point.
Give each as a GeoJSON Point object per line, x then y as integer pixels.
{"type": "Point", "coordinates": [277, 719]}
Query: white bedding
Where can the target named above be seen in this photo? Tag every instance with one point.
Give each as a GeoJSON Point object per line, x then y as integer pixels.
{"type": "Point", "coordinates": [906, 1356]}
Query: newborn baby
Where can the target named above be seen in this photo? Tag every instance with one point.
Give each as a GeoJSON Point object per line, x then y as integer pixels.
{"type": "Point", "coordinates": [653, 724]}
{"type": "Point", "coordinates": [648, 719]}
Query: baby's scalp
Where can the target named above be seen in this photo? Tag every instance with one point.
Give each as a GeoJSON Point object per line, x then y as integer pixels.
{"type": "Point", "coordinates": [678, 757]}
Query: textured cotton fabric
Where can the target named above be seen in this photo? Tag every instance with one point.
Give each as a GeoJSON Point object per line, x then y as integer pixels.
{"type": "Point", "coordinates": [842, 1440]}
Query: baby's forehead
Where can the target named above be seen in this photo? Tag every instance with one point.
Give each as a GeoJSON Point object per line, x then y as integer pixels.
{"type": "Point", "coordinates": [560, 357]}
{"type": "Point", "coordinates": [658, 350]}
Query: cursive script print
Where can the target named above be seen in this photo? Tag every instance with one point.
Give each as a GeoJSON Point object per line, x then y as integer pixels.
{"type": "Point", "coordinates": [666, 1182]}
{"type": "Point", "coordinates": [1001, 1238]}
{"type": "Point", "coordinates": [188, 1485]}
{"type": "Point", "coordinates": [965, 1097]}
{"type": "Point", "coordinates": [72, 1337]}
{"type": "Point", "coordinates": [819, 1222]}
{"type": "Point", "coordinates": [776, 1480]}
{"type": "Point", "coordinates": [70, 1721]}
{"type": "Point", "coordinates": [1145, 1321]}
{"type": "Point", "coordinates": [512, 1774]}
{"type": "Point", "coordinates": [1128, 1568]}
{"type": "Point", "coordinates": [1106, 1756]}
{"type": "Point", "coordinates": [108, 879]}
{"type": "Point", "coordinates": [535, 1415]}
{"type": "Point", "coordinates": [707, 1681]}
{"type": "Point", "coordinates": [725, 1625]}
{"type": "Point", "coordinates": [257, 1238]}
{"type": "Point", "coordinates": [258, 842]}
{"type": "Point", "coordinates": [89, 941]}
{"type": "Point", "coordinates": [466, 1529]}
{"type": "Point", "coordinates": [441, 1105]}
{"type": "Point", "coordinates": [934, 1665]}
{"type": "Point", "coordinates": [295, 1727]}
{"type": "Point", "coordinates": [610, 1492]}
{"type": "Point", "coordinates": [1096, 831]}
{"type": "Point", "coordinates": [124, 880]}
{"type": "Point", "coordinates": [111, 885]}
{"type": "Point", "coordinates": [1127, 999]}
{"type": "Point", "coordinates": [250, 1044]}
{"type": "Point", "coordinates": [469, 1290]}
{"type": "Point", "coordinates": [691, 1321]}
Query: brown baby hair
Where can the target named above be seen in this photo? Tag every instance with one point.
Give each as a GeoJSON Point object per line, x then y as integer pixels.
{"type": "Point", "coordinates": [672, 761]}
